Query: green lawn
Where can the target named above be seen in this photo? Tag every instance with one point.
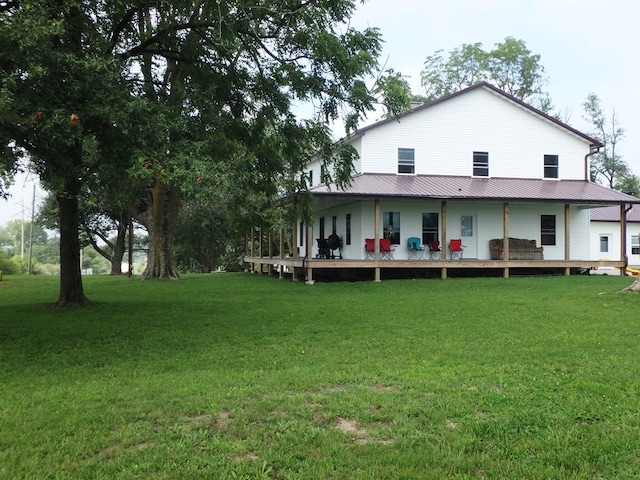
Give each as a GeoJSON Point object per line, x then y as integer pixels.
{"type": "Point", "coordinates": [233, 376]}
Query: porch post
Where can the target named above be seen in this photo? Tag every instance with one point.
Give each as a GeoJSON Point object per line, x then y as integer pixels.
{"type": "Point", "coordinates": [294, 253]}
{"type": "Point", "coordinates": [376, 229]}
{"type": "Point", "coordinates": [567, 236]}
{"type": "Point", "coordinates": [623, 239]}
{"type": "Point", "coordinates": [270, 269]}
{"type": "Point", "coordinates": [443, 242]}
{"type": "Point", "coordinates": [281, 266]}
{"type": "Point", "coordinates": [505, 238]}
{"type": "Point", "coordinates": [309, 270]}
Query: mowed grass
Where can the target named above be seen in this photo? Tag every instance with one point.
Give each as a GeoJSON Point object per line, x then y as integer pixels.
{"type": "Point", "coordinates": [238, 376]}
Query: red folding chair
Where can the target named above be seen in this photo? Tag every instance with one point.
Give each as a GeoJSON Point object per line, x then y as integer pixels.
{"type": "Point", "coordinates": [369, 248]}
{"type": "Point", "coordinates": [386, 249]}
{"type": "Point", "coordinates": [455, 249]}
{"type": "Point", "coordinates": [434, 250]}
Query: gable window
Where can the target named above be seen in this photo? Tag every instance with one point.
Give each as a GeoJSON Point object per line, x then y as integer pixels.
{"type": "Point", "coordinates": [406, 160]}
{"type": "Point", "coordinates": [348, 229]}
{"type": "Point", "coordinates": [391, 225]}
{"type": "Point", "coordinates": [604, 243]}
{"type": "Point", "coordinates": [480, 164]}
{"type": "Point", "coordinates": [551, 166]}
{"type": "Point", "coordinates": [430, 226]}
{"type": "Point", "coordinates": [635, 245]}
{"type": "Point", "coordinates": [547, 229]}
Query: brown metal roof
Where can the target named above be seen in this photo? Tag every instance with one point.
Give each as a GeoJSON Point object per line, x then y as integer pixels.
{"type": "Point", "coordinates": [612, 214]}
{"type": "Point", "coordinates": [460, 187]}
{"type": "Point", "coordinates": [592, 141]}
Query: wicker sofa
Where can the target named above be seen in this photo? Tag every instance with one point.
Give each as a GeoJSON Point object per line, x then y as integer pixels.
{"type": "Point", "coordinates": [519, 249]}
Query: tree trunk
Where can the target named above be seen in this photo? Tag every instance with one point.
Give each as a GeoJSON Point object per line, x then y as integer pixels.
{"type": "Point", "coordinates": [119, 247]}
{"type": "Point", "coordinates": [165, 205]}
{"type": "Point", "coordinates": [71, 291]}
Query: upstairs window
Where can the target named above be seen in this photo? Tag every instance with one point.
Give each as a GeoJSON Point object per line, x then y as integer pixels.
{"type": "Point", "coordinates": [551, 166]}
{"type": "Point", "coordinates": [547, 229]}
{"type": "Point", "coordinates": [406, 160]}
{"type": "Point", "coordinates": [310, 178]}
{"type": "Point", "coordinates": [480, 164]}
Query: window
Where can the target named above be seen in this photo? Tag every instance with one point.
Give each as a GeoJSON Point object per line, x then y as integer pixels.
{"type": "Point", "coordinates": [551, 166]}
{"type": "Point", "coordinates": [547, 229]}
{"type": "Point", "coordinates": [391, 226]}
{"type": "Point", "coordinates": [321, 234]}
{"type": "Point", "coordinates": [310, 178]}
{"type": "Point", "coordinates": [480, 164]}
{"type": "Point", "coordinates": [466, 226]}
{"type": "Point", "coordinates": [406, 160]}
{"type": "Point", "coordinates": [430, 227]}
{"type": "Point", "coordinates": [322, 173]}
{"type": "Point", "coordinates": [635, 245]}
{"type": "Point", "coordinates": [334, 224]}
{"type": "Point", "coordinates": [348, 230]}
{"type": "Point", "coordinates": [604, 244]}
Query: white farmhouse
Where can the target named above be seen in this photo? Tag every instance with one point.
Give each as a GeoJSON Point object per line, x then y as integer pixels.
{"type": "Point", "coordinates": [480, 167]}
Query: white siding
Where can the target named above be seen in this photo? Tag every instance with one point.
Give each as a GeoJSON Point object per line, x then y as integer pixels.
{"type": "Point", "coordinates": [445, 136]}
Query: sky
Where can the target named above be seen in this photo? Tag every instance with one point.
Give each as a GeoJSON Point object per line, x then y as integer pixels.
{"type": "Point", "coordinates": [585, 46]}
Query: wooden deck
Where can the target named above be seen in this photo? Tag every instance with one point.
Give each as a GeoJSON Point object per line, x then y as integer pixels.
{"type": "Point", "coordinates": [303, 269]}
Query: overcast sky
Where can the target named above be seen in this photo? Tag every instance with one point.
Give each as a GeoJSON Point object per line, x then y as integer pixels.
{"type": "Point", "coordinates": [585, 46]}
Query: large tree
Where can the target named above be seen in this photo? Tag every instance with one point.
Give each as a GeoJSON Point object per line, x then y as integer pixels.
{"type": "Point", "coordinates": [217, 82]}
{"type": "Point", "coordinates": [510, 66]}
{"type": "Point", "coordinates": [64, 106]}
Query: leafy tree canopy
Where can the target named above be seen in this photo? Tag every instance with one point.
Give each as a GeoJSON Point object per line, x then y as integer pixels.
{"type": "Point", "coordinates": [510, 66]}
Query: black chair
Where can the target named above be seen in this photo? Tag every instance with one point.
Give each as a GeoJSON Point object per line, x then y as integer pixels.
{"type": "Point", "coordinates": [323, 248]}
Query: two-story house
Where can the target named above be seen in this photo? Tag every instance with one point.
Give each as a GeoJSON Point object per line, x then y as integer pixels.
{"type": "Point", "coordinates": [478, 166]}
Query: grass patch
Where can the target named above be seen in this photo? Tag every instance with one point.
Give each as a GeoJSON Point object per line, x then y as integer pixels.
{"type": "Point", "coordinates": [234, 376]}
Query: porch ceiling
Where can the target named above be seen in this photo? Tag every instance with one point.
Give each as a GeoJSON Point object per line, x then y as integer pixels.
{"type": "Point", "coordinates": [474, 188]}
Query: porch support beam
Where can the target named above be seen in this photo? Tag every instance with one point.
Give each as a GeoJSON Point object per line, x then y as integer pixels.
{"type": "Point", "coordinates": [376, 228]}
{"type": "Point", "coordinates": [623, 239]}
{"type": "Point", "coordinates": [567, 236]}
{"type": "Point", "coordinates": [308, 269]}
{"type": "Point", "coordinates": [445, 245]}
{"type": "Point", "coordinates": [505, 237]}
{"type": "Point", "coordinates": [283, 233]}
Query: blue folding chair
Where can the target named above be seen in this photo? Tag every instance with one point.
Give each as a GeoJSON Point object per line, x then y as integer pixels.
{"type": "Point", "coordinates": [416, 250]}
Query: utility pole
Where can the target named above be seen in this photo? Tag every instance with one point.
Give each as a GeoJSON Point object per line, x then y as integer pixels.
{"type": "Point", "coordinates": [33, 209]}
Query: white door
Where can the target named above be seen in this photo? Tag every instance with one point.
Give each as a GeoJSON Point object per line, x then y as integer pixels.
{"type": "Point", "coordinates": [468, 235]}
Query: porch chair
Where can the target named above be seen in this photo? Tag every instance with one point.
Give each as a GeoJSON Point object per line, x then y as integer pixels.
{"type": "Point", "coordinates": [455, 249]}
{"type": "Point", "coordinates": [369, 248]}
{"type": "Point", "coordinates": [434, 250]}
{"type": "Point", "coordinates": [323, 248]}
{"type": "Point", "coordinates": [415, 249]}
{"type": "Point", "coordinates": [386, 249]}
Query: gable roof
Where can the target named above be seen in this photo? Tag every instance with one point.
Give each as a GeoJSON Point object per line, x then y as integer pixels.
{"type": "Point", "coordinates": [495, 90]}
{"type": "Point", "coordinates": [476, 188]}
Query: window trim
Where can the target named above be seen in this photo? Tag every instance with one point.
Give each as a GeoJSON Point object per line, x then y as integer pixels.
{"type": "Point", "coordinates": [604, 239]}
{"type": "Point", "coordinates": [551, 165]}
{"type": "Point", "coordinates": [408, 164]}
{"type": "Point", "coordinates": [480, 164]}
{"type": "Point", "coordinates": [389, 227]}
{"type": "Point", "coordinates": [548, 233]}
